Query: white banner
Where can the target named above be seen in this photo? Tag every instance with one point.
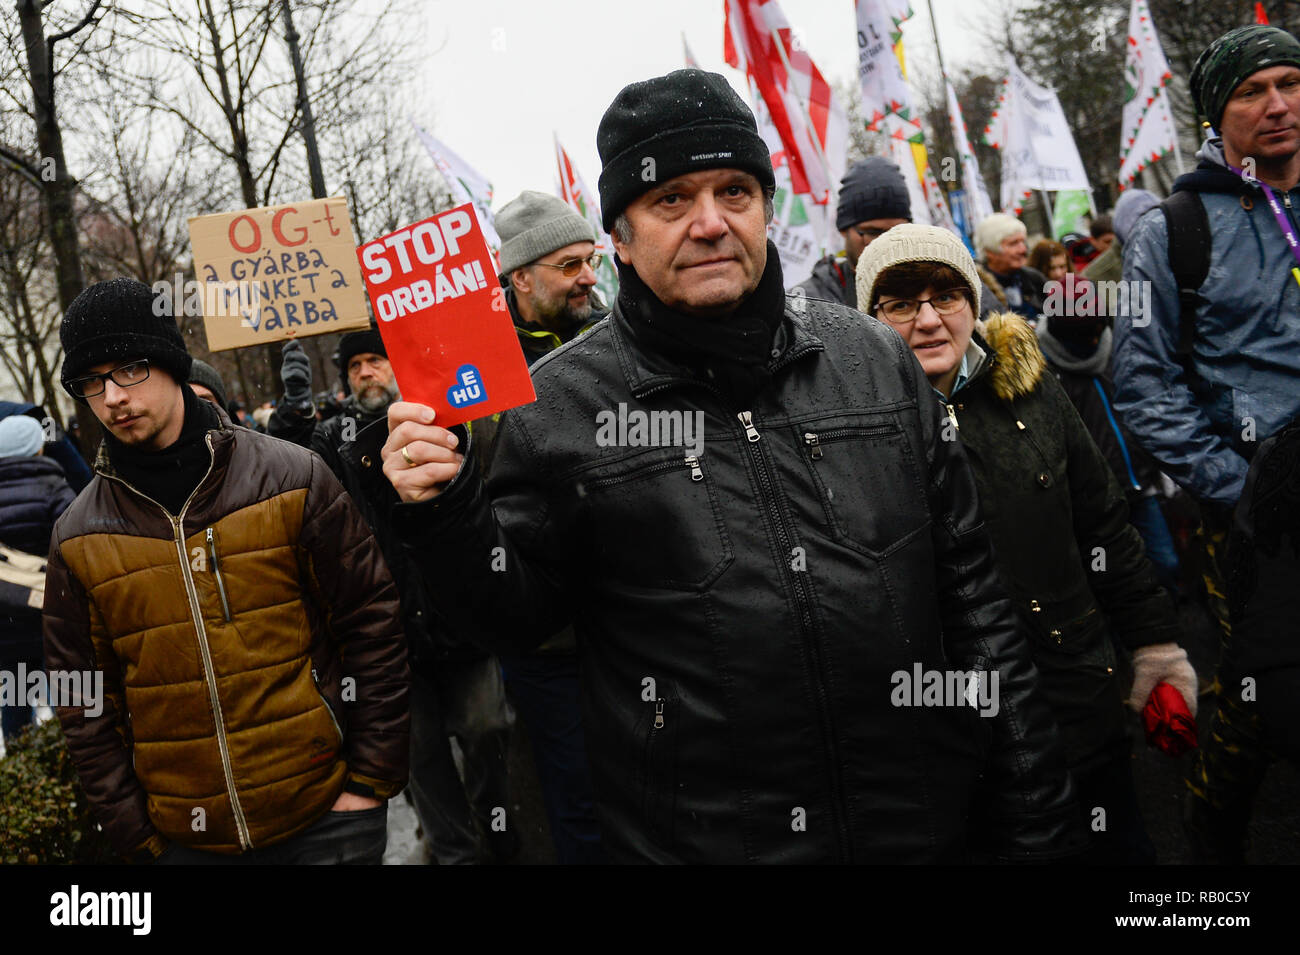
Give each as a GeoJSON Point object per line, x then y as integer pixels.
{"type": "Point", "coordinates": [1039, 151]}
{"type": "Point", "coordinates": [465, 182]}
{"type": "Point", "coordinates": [886, 97]}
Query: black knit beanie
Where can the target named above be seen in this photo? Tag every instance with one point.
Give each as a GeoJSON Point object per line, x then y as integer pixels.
{"type": "Point", "coordinates": [663, 127]}
{"type": "Point", "coordinates": [201, 373]}
{"type": "Point", "coordinates": [121, 320]}
{"type": "Point", "coordinates": [1228, 61]}
{"type": "Point", "coordinates": [359, 343]}
{"type": "Point", "coordinates": [872, 189]}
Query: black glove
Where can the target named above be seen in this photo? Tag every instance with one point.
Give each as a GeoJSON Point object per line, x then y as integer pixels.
{"type": "Point", "coordinates": [295, 372]}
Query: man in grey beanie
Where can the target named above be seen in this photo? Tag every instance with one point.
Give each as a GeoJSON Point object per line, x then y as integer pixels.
{"type": "Point", "coordinates": [873, 199]}
{"type": "Point", "coordinates": [548, 268]}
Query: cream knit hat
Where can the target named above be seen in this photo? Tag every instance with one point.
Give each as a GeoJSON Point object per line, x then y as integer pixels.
{"type": "Point", "coordinates": [914, 243]}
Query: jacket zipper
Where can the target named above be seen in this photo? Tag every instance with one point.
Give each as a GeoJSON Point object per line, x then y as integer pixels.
{"type": "Point", "coordinates": [196, 613]}
{"type": "Point", "coordinates": [812, 650]}
{"type": "Point", "coordinates": [328, 709]}
{"type": "Point", "coordinates": [216, 571]}
{"type": "Point", "coordinates": [952, 414]}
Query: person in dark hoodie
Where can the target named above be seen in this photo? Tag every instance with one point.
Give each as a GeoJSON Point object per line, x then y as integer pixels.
{"type": "Point", "coordinates": [1206, 373]}
{"type": "Point", "coordinates": [873, 199]}
{"type": "Point", "coordinates": [33, 493]}
{"type": "Point", "coordinates": [1078, 348]}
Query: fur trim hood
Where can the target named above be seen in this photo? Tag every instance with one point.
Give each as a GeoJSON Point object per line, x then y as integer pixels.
{"type": "Point", "coordinates": [1017, 360]}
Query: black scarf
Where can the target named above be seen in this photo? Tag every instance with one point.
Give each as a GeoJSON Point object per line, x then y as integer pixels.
{"type": "Point", "coordinates": [730, 351]}
{"type": "Point", "coordinates": [169, 476]}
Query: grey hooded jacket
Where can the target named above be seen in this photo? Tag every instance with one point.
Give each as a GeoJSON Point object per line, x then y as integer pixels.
{"type": "Point", "coordinates": [1203, 422]}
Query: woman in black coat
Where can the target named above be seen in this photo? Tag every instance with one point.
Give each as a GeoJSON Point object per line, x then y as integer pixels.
{"type": "Point", "coordinates": [33, 493]}
{"type": "Point", "coordinates": [1072, 564]}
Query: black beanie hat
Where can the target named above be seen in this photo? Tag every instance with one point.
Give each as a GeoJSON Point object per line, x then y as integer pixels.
{"type": "Point", "coordinates": [358, 343]}
{"type": "Point", "coordinates": [663, 127]}
{"type": "Point", "coordinates": [1227, 62]}
{"type": "Point", "coordinates": [121, 320]}
{"type": "Point", "coordinates": [201, 373]}
{"type": "Point", "coordinates": [873, 189]}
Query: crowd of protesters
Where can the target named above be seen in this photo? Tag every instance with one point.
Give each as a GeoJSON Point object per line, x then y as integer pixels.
{"type": "Point", "coordinates": [916, 471]}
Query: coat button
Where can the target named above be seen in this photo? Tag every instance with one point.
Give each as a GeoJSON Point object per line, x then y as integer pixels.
{"type": "Point", "coordinates": [365, 461]}
{"type": "Point", "coordinates": [1044, 479]}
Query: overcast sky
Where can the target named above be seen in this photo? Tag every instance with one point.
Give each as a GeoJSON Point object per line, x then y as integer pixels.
{"type": "Point", "coordinates": [506, 73]}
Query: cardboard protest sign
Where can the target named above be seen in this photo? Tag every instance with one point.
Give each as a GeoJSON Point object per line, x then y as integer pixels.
{"type": "Point", "coordinates": [276, 272]}
{"type": "Point", "coordinates": [443, 318]}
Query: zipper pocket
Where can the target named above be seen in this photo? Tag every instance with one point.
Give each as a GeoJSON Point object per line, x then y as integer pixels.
{"type": "Point", "coordinates": [691, 461]}
{"type": "Point", "coordinates": [328, 709]}
{"type": "Point", "coordinates": [216, 572]}
{"type": "Point", "coordinates": [813, 440]}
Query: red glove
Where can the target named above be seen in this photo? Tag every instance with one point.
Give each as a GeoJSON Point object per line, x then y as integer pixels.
{"type": "Point", "coordinates": [1169, 725]}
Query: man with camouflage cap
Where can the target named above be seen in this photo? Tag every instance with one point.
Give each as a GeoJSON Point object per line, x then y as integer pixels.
{"type": "Point", "coordinates": [1209, 372]}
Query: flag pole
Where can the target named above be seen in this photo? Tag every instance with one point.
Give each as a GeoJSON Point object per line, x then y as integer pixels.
{"type": "Point", "coordinates": [934, 29]}
{"type": "Point", "coordinates": [1178, 153]}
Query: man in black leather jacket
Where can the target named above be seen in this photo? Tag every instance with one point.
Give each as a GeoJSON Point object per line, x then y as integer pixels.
{"type": "Point", "coordinates": [745, 506]}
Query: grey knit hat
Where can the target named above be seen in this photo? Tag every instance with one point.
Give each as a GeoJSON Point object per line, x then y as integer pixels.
{"type": "Point", "coordinates": [534, 225]}
{"type": "Point", "coordinates": [912, 242]}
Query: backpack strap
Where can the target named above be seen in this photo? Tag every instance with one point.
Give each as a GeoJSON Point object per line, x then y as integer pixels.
{"type": "Point", "coordinates": [1188, 228]}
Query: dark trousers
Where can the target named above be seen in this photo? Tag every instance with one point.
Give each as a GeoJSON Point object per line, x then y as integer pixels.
{"type": "Point", "coordinates": [466, 701]}
{"type": "Point", "coordinates": [336, 838]}
{"type": "Point", "coordinates": [544, 689]}
{"type": "Point", "coordinates": [14, 719]}
{"type": "Point", "coordinates": [1109, 787]}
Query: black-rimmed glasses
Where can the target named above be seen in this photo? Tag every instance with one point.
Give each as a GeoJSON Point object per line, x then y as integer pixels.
{"type": "Point", "coordinates": [124, 376]}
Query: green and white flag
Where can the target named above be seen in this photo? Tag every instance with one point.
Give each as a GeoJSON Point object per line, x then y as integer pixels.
{"type": "Point", "coordinates": [1071, 207]}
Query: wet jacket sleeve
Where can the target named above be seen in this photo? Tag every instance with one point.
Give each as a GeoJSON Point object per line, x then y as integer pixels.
{"type": "Point", "coordinates": [1034, 810]}
{"type": "Point", "coordinates": [98, 735]}
{"type": "Point", "coordinates": [352, 582]}
{"type": "Point", "coordinates": [492, 562]}
{"type": "Point", "coordinates": [1152, 391]}
{"type": "Point", "coordinates": [1119, 573]}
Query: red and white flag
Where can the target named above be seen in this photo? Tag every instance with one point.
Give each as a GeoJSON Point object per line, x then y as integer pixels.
{"type": "Point", "coordinates": [575, 192]}
{"type": "Point", "coordinates": [808, 116]}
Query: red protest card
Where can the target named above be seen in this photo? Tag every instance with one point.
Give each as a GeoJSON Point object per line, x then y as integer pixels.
{"type": "Point", "coordinates": [443, 318]}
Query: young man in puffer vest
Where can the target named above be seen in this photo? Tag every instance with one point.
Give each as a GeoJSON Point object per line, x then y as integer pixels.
{"type": "Point", "coordinates": [244, 690]}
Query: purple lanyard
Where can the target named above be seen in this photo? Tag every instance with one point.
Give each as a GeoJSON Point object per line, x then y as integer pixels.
{"type": "Point", "coordinates": [1283, 220]}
